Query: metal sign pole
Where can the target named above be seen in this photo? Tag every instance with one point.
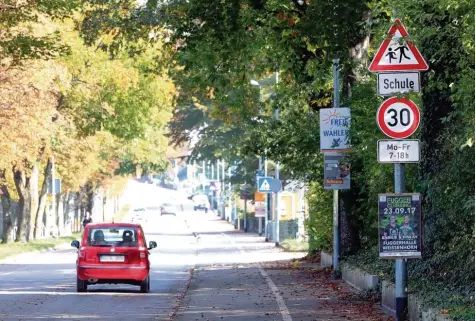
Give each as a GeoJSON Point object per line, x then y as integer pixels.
{"type": "Point", "coordinates": [276, 202]}
{"type": "Point", "coordinates": [407, 81]}
{"type": "Point", "coordinates": [223, 190]}
{"type": "Point", "coordinates": [53, 196]}
{"type": "Point", "coordinates": [336, 252]}
{"type": "Point", "coordinates": [230, 195]}
{"type": "Point", "coordinates": [266, 203]}
{"type": "Point", "coordinates": [260, 219]}
{"type": "Point", "coordinates": [276, 114]}
{"type": "Point", "coordinates": [401, 300]}
{"type": "Point", "coordinates": [245, 214]}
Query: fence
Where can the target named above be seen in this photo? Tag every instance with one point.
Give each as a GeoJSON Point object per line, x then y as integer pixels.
{"type": "Point", "coordinates": [288, 229]}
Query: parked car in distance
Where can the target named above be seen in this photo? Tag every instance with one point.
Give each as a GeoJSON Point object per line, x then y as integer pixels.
{"type": "Point", "coordinates": [113, 253]}
{"type": "Point", "coordinates": [200, 202]}
{"type": "Point", "coordinates": [168, 208]}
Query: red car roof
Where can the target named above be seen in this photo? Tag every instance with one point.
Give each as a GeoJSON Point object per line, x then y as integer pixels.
{"type": "Point", "coordinates": [112, 224]}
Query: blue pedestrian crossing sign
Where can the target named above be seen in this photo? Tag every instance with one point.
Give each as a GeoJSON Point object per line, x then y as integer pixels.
{"type": "Point", "coordinates": [264, 184]}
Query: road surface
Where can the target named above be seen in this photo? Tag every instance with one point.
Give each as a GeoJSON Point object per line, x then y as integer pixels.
{"type": "Point", "coordinates": [42, 286]}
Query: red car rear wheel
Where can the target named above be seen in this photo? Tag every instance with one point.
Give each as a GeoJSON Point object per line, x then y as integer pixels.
{"type": "Point", "coordinates": [145, 285]}
{"type": "Point", "coordinates": [81, 285]}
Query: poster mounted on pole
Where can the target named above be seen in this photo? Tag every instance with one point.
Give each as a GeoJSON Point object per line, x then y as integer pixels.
{"type": "Point", "coordinates": [334, 129]}
{"type": "Point", "coordinates": [336, 171]}
{"type": "Point", "coordinates": [400, 229]}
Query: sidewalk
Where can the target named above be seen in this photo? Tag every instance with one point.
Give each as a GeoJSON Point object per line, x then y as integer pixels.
{"type": "Point", "coordinates": [268, 290]}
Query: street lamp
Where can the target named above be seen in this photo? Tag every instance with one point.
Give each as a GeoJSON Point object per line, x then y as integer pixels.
{"type": "Point", "coordinates": [260, 167]}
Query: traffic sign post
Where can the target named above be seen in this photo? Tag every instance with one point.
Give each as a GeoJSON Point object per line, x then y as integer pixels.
{"type": "Point", "coordinates": [398, 118]}
{"type": "Point", "coordinates": [398, 151]}
{"type": "Point", "coordinates": [264, 184]}
{"type": "Point", "coordinates": [397, 53]}
{"type": "Point", "coordinates": [398, 61]}
{"type": "Point", "coordinates": [259, 209]}
{"type": "Point", "coordinates": [398, 83]}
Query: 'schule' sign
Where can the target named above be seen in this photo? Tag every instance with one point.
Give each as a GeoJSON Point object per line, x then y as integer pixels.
{"type": "Point", "coordinates": [334, 128]}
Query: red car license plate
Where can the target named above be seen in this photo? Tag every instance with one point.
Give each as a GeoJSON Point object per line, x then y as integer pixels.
{"type": "Point", "coordinates": [111, 258]}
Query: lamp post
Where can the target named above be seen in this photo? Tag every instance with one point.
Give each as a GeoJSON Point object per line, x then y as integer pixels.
{"type": "Point", "coordinates": [260, 167]}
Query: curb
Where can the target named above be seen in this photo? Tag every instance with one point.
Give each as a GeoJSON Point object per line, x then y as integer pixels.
{"type": "Point", "coordinates": [181, 296]}
{"type": "Point", "coordinates": [62, 246]}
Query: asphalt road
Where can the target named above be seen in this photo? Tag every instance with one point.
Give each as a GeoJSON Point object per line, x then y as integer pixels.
{"type": "Point", "coordinates": [42, 286]}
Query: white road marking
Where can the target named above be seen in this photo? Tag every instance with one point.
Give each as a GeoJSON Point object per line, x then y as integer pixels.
{"type": "Point", "coordinates": [14, 271]}
{"type": "Point", "coordinates": [279, 299]}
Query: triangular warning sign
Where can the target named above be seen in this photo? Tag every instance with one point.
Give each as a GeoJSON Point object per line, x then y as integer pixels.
{"type": "Point", "coordinates": [396, 54]}
{"type": "Point", "coordinates": [265, 186]}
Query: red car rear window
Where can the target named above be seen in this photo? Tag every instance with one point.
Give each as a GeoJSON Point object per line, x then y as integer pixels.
{"type": "Point", "coordinates": [113, 236]}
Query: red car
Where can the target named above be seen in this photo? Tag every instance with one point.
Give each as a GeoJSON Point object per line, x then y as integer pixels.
{"type": "Point", "coordinates": [114, 253]}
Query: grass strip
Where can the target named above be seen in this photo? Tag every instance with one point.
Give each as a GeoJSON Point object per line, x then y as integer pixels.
{"type": "Point", "coordinates": [15, 248]}
{"type": "Point", "coordinates": [293, 245]}
{"type": "Point", "coordinates": [119, 216]}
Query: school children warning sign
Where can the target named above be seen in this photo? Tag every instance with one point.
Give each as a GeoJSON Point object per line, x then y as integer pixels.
{"type": "Point", "coordinates": [397, 52]}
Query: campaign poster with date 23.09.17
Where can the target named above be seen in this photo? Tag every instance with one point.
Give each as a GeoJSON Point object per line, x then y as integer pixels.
{"type": "Point", "coordinates": [399, 223]}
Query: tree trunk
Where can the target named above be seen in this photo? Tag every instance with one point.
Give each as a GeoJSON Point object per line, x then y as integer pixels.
{"type": "Point", "coordinates": [22, 184]}
{"type": "Point", "coordinates": [349, 225]}
{"type": "Point", "coordinates": [34, 202]}
{"type": "Point", "coordinates": [82, 203]}
{"type": "Point", "coordinates": [40, 214]}
{"type": "Point", "coordinates": [90, 200]}
{"type": "Point", "coordinates": [67, 217]}
{"type": "Point", "coordinates": [59, 213]}
{"type": "Point", "coordinates": [6, 209]}
{"type": "Point", "coordinates": [77, 211]}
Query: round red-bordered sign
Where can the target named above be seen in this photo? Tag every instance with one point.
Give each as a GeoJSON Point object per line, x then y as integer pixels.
{"type": "Point", "coordinates": [398, 117]}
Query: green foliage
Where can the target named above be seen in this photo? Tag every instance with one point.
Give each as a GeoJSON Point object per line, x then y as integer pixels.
{"type": "Point", "coordinates": [217, 47]}
{"type": "Point", "coordinates": [458, 299]}
{"type": "Point", "coordinates": [320, 224]}
{"type": "Point", "coordinates": [19, 19]}
{"type": "Point", "coordinates": [292, 245]}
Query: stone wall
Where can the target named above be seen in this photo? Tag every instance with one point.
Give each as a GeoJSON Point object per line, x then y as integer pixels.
{"type": "Point", "coordinates": [365, 281]}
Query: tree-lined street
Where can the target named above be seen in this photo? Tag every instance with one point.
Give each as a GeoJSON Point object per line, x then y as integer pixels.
{"type": "Point", "coordinates": [341, 128]}
{"type": "Point", "coordinates": [43, 285]}
{"type": "Point", "coordinates": [235, 276]}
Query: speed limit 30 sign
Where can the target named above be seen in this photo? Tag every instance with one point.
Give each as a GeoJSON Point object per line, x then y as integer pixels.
{"type": "Point", "coordinates": [398, 117]}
